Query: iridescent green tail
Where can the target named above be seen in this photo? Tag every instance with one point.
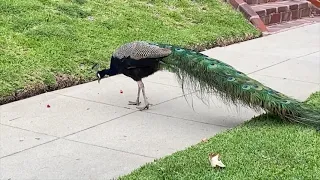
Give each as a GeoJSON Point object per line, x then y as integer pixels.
{"type": "Point", "coordinates": [209, 75]}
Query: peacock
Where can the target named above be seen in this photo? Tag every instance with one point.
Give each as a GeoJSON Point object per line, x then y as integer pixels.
{"type": "Point", "coordinates": [205, 75]}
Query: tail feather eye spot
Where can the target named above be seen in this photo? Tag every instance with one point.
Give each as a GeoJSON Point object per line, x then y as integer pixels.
{"type": "Point", "coordinates": [211, 60]}
{"type": "Point", "coordinates": [282, 95]}
{"type": "Point", "coordinates": [231, 79]}
{"type": "Point", "coordinates": [239, 73]}
{"type": "Point", "coordinates": [179, 49]}
{"type": "Point", "coordinates": [277, 92]}
{"type": "Point", "coordinates": [206, 62]}
{"type": "Point", "coordinates": [286, 102]}
{"type": "Point", "coordinates": [212, 66]}
{"type": "Point", "coordinates": [257, 87]}
{"type": "Point", "coordinates": [246, 87]}
{"type": "Point", "coordinates": [270, 92]}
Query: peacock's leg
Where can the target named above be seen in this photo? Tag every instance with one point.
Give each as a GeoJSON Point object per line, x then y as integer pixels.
{"type": "Point", "coordinates": [137, 102]}
{"type": "Point", "coordinates": [146, 106]}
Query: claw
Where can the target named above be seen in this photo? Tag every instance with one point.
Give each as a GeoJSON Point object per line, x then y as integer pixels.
{"type": "Point", "coordinates": [134, 103]}
{"type": "Point", "coordinates": [144, 107]}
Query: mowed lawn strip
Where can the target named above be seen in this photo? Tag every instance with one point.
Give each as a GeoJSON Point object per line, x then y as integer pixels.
{"type": "Point", "coordinates": [41, 40]}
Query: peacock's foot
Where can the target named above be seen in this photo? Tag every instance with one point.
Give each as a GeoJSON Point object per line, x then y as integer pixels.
{"type": "Point", "coordinates": [137, 103]}
{"type": "Point", "coordinates": [144, 107]}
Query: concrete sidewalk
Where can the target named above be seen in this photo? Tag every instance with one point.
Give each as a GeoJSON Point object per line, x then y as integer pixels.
{"type": "Point", "coordinates": [90, 132]}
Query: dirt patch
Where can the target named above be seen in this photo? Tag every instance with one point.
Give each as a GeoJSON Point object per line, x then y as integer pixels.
{"type": "Point", "coordinates": [62, 81]}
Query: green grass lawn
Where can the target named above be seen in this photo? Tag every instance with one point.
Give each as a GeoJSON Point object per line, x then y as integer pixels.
{"type": "Point", "coordinates": [263, 148]}
{"type": "Point", "coordinates": [41, 39]}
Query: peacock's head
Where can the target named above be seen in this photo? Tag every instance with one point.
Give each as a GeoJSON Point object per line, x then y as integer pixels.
{"type": "Point", "coordinates": [103, 74]}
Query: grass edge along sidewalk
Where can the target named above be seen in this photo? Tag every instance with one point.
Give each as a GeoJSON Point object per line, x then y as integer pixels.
{"type": "Point", "coordinates": [47, 45]}
{"type": "Point", "coordinates": [262, 148]}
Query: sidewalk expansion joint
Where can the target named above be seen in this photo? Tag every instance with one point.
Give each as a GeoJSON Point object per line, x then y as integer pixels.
{"type": "Point", "coordinates": [282, 62]}
{"type": "Point", "coordinates": [112, 149]}
{"type": "Point", "coordinates": [29, 148]}
{"type": "Point", "coordinates": [99, 124]}
{"type": "Point", "coordinates": [191, 120]}
{"type": "Point", "coordinates": [92, 101]}
{"type": "Point", "coordinates": [28, 130]}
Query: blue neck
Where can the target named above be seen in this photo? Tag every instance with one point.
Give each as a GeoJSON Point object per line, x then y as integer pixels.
{"type": "Point", "coordinates": [110, 72]}
{"type": "Point", "coordinates": [113, 70]}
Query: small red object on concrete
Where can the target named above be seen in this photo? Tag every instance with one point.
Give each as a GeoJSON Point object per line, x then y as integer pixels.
{"type": "Point", "coordinates": [121, 91]}
{"type": "Point", "coordinates": [48, 106]}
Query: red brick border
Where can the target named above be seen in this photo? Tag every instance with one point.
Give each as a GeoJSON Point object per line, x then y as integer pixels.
{"type": "Point", "coordinates": [315, 3]}
{"type": "Point", "coordinates": [283, 11]}
{"type": "Point", "coordinates": [249, 13]}
{"type": "Point", "coordinates": [315, 7]}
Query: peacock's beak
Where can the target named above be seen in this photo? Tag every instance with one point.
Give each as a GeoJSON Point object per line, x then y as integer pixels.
{"type": "Point", "coordinates": [99, 77]}
{"type": "Point", "coordinates": [95, 67]}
